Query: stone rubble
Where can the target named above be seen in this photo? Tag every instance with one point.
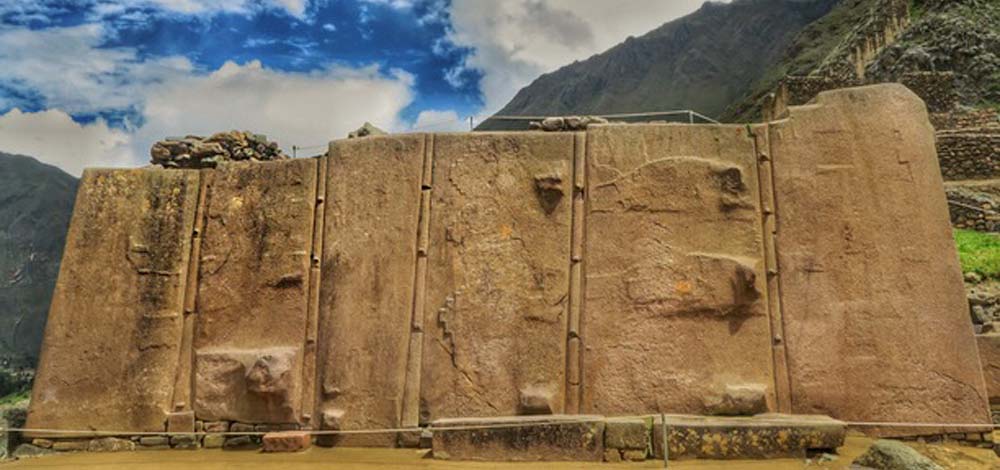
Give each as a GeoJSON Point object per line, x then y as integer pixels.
{"type": "Point", "coordinates": [894, 455]}
{"type": "Point", "coordinates": [366, 129]}
{"type": "Point", "coordinates": [567, 123]}
{"type": "Point", "coordinates": [206, 152]}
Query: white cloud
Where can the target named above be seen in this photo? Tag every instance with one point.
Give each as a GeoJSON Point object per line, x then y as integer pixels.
{"type": "Point", "coordinates": [291, 108]}
{"type": "Point", "coordinates": [433, 120]}
{"type": "Point", "coordinates": [329, 27]}
{"type": "Point", "coordinates": [73, 76]}
{"type": "Point", "coordinates": [66, 67]}
{"type": "Point", "coordinates": [53, 137]}
{"type": "Point", "coordinates": [515, 41]}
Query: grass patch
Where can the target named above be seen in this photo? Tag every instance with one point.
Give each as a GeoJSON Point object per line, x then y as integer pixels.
{"type": "Point", "coordinates": [979, 252]}
{"type": "Point", "coordinates": [15, 397]}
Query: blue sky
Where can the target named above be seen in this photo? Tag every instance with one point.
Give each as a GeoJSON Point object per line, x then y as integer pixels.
{"type": "Point", "coordinates": [95, 82]}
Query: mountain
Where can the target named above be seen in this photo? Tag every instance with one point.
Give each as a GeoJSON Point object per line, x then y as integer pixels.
{"type": "Point", "coordinates": [703, 61]}
{"type": "Point", "coordinates": [723, 59]}
{"type": "Point", "coordinates": [36, 202]}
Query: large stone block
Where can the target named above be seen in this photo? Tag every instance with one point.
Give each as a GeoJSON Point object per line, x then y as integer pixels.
{"type": "Point", "coordinates": [252, 294]}
{"type": "Point", "coordinates": [760, 437]}
{"type": "Point", "coordinates": [520, 438]}
{"type": "Point", "coordinates": [498, 274]}
{"type": "Point", "coordinates": [369, 257]}
{"type": "Point", "coordinates": [114, 327]}
{"type": "Point", "coordinates": [256, 385]}
{"type": "Point", "coordinates": [871, 287]}
{"type": "Point", "coordinates": [675, 300]}
{"type": "Point", "coordinates": [989, 356]}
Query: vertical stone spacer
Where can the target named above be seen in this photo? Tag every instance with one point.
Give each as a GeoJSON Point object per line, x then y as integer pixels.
{"type": "Point", "coordinates": [410, 409]}
{"type": "Point", "coordinates": [183, 384]}
{"type": "Point", "coordinates": [575, 307]}
{"type": "Point", "coordinates": [769, 229]}
{"type": "Point", "coordinates": [309, 380]}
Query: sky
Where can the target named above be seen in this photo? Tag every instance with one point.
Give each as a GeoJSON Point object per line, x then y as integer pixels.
{"type": "Point", "coordinates": [93, 83]}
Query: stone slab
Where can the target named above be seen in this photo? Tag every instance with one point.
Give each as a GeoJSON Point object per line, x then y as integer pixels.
{"type": "Point", "coordinates": [114, 328]}
{"type": "Point", "coordinates": [252, 293]}
{"type": "Point", "coordinates": [989, 357]}
{"type": "Point", "coordinates": [366, 295]}
{"type": "Point", "coordinates": [286, 441]}
{"type": "Point", "coordinates": [875, 316]}
{"type": "Point", "coordinates": [520, 438]}
{"type": "Point", "coordinates": [675, 295]}
{"type": "Point", "coordinates": [498, 274]}
{"type": "Point", "coordinates": [760, 437]}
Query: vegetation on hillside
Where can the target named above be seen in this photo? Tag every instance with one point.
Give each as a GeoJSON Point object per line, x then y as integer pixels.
{"type": "Point", "coordinates": [979, 253]}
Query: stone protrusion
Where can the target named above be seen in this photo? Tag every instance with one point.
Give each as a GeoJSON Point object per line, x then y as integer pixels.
{"type": "Point", "coordinates": [738, 400]}
{"type": "Point", "coordinates": [535, 401]}
{"type": "Point", "coordinates": [286, 441]}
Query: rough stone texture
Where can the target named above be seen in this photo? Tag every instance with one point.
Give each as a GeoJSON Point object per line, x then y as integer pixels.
{"type": "Point", "coordinates": [675, 287]}
{"type": "Point", "coordinates": [28, 451]}
{"type": "Point", "coordinates": [989, 355]}
{"type": "Point", "coordinates": [970, 153]}
{"type": "Point", "coordinates": [181, 421]}
{"type": "Point", "coordinates": [70, 445]}
{"type": "Point", "coordinates": [498, 273]}
{"type": "Point", "coordinates": [759, 437]}
{"type": "Point", "coordinates": [738, 400]}
{"type": "Point", "coordinates": [207, 152]}
{"type": "Point", "coordinates": [154, 441]}
{"type": "Point", "coordinates": [937, 89]}
{"type": "Point", "coordinates": [562, 437]}
{"type": "Point", "coordinates": [213, 441]}
{"type": "Point", "coordinates": [626, 433]}
{"type": "Point", "coordinates": [865, 322]}
{"type": "Point", "coordinates": [185, 441]}
{"type": "Point", "coordinates": [110, 444]}
{"type": "Point", "coordinates": [286, 441]}
{"type": "Point", "coordinates": [252, 294]}
{"type": "Point", "coordinates": [894, 455]}
{"type": "Point", "coordinates": [114, 328]}
{"type": "Point", "coordinates": [240, 443]}
{"type": "Point", "coordinates": [366, 292]}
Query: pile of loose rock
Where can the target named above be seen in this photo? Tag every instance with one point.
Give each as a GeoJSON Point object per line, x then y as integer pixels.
{"type": "Point", "coordinates": [568, 123]}
{"type": "Point", "coordinates": [201, 152]}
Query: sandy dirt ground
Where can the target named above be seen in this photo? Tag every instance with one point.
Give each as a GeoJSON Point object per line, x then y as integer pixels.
{"type": "Point", "coordinates": [950, 456]}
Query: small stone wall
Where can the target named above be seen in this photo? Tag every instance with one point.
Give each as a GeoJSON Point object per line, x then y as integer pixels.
{"type": "Point", "coordinates": [975, 118]}
{"type": "Point", "coordinates": [969, 154]}
{"type": "Point", "coordinates": [937, 89]}
{"type": "Point", "coordinates": [973, 210]}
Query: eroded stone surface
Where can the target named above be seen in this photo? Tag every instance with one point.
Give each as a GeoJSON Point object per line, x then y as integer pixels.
{"type": "Point", "coordinates": [541, 438]}
{"type": "Point", "coordinates": [252, 294]}
{"type": "Point", "coordinates": [759, 437]}
{"type": "Point", "coordinates": [989, 356]}
{"type": "Point", "coordinates": [871, 287]}
{"type": "Point", "coordinates": [675, 289]}
{"type": "Point", "coordinates": [497, 279]}
{"type": "Point", "coordinates": [369, 254]}
{"type": "Point", "coordinates": [253, 385]}
{"type": "Point", "coordinates": [114, 327]}
{"type": "Point", "coordinates": [286, 441]}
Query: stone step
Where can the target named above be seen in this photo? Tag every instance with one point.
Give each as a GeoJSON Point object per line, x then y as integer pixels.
{"type": "Point", "coordinates": [593, 438]}
{"type": "Point", "coordinates": [758, 437]}
{"type": "Point", "coordinates": [520, 438]}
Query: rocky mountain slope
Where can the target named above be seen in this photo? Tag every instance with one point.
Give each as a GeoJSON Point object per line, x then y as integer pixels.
{"type": "Point", "coordinates": [724, 58]}
{"type": "Point", "coordinates": [703, 61]}
{"type": "Point", "coordinates": [36, 201]}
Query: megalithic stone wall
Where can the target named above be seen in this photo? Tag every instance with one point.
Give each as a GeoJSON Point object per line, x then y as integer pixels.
{"type": "Point", "coordinates": [803, 266]}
